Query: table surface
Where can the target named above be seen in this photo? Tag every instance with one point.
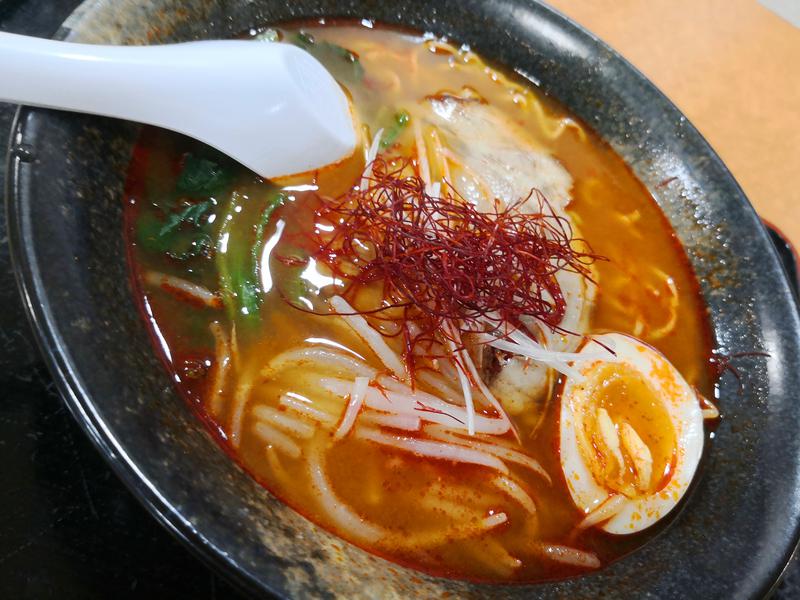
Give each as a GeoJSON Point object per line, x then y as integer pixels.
{"type": "Point", "coordinates": [68, 527]}
{"type": "Point", "coordinates": [733, 67]}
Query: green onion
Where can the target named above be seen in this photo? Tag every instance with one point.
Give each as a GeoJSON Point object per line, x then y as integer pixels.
{"type": "Point", "coordinates": [393, 131]}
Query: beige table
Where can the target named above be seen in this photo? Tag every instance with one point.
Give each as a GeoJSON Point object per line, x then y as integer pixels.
{"type": "Point", "coordinates": [733, 67]}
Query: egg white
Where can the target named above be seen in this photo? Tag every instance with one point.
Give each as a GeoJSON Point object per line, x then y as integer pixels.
{"type": "Point", "coordinates": [683, 409]}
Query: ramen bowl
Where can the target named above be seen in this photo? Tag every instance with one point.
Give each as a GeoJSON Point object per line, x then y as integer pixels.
{"type": "Point", "coordinates": [739, 524]}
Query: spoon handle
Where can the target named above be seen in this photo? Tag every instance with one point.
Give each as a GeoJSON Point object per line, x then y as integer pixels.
{"type": "Point", "coordinates": [158, 85]}
{"type": "Point", "coordinates": [269, 105]}
{"type": "Point", "coordinates": [103, 80]}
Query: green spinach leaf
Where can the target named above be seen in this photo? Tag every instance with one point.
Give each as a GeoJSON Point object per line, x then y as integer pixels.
{"type": "Point", "coordinates": [182, 235]}
{"type": "Point", "coordinates": [202, 177]}
{"type": "Point", "coordinates": [190, 215]}
{"type": "Point", "coordinates": [341, 62]}
{"type": "Point", "coordinates": [266, 214]}
{"type": "Point", "coordinates": [238, 252]}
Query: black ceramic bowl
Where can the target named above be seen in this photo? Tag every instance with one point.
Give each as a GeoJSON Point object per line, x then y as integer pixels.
{"type": "Point", "coordinates": [67, 171]}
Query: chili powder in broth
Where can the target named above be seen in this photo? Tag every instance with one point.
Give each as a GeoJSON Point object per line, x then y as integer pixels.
{"type": "Point", "coordinates": [429, 512]}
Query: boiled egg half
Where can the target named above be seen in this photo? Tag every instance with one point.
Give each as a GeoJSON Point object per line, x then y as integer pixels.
{"type": "Point", "coordinates": [631, 435]}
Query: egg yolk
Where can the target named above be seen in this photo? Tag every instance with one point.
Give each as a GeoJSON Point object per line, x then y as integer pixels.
{"type": "Point", "coordinates": [629, 431]}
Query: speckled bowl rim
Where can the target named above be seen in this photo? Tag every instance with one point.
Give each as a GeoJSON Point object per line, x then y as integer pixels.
{"type": "Point", "coordinates": [81, 406]}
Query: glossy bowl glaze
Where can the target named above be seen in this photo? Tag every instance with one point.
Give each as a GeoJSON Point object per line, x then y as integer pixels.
{"type": "Point", "coordinates": [65, 200]}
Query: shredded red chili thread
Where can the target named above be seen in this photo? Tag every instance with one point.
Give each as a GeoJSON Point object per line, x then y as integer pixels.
{"type": "Point", "coordinates": [720, 363]}
{"type": "Point", "coordinates": [421, 407]}
{"type": "Point", "coordinates": [440, 259]}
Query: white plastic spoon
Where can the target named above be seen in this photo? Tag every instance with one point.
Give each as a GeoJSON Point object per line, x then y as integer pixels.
{"type": "Point", "coordinates": [273, 107]}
